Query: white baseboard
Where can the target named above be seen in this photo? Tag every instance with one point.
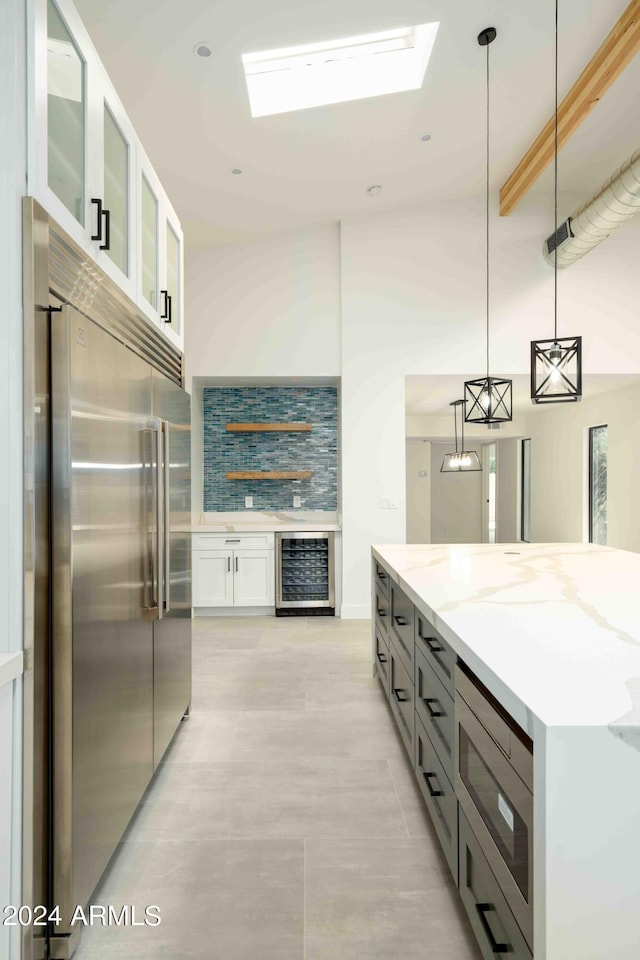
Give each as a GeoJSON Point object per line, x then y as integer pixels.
{"type": "Point", "coordinates": [355, 611]}
{"type": "Point", "coordinates": [234, 611]}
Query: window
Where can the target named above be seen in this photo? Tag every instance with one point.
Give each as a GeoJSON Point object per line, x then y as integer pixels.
{"type": "Point", "coordinates": [525, 491]}
{"type": "Point", "coordinates": [598, 485]}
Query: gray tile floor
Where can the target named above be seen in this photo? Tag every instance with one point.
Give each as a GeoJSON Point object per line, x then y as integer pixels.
{"type": "Point", "coordinates": [284, 822]}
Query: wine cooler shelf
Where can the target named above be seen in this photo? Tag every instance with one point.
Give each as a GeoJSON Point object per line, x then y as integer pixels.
{"type": "Point", "coordinates": [304, 574]}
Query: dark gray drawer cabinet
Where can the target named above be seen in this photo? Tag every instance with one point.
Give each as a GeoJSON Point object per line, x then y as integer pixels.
{"type": "Point", "coordinates": [401, 697]}
{"type": "Point", "coordinates": [401, 621]}
{"type": "Point", "coordinates": [381, 577]}
{"type": "Point", "coordinates": [382, 661]}
{"type": "Point", "coordinates": [434, 706]}
{"type": "Point", "coordinates": [436, 650]}
{"type": "Point", "coordinates": [438, 794]}
{"type": "Point", "coordinates": [493, 923]}
{"type": "Point", "coordinates": [382, 608]}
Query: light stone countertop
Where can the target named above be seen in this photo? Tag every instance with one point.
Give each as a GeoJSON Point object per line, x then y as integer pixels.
{"type": "Point", "coordinates": [553, 630]}
{"type": "Point", "coordinates": [10, 666]}
{"type": "Point", "coordinates": [262, 522]}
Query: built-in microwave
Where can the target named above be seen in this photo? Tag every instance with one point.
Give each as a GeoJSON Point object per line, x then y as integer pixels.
{"type": "Point", "coordinates": [494, 786]}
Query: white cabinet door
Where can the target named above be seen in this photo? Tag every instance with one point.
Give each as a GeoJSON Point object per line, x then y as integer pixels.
{"type": "Point", "coordinates": [113, 166]}
{"type": "Point", "coordinates": [254, 583]}
{"type": "Point", "coordinates": [149, 193]}
{"type": "Point", "coordinates": [171, 276]}
{"type": "Point", "coordinates": [213, 578]}
{"type": "Point", "coordinates": [58, 174]}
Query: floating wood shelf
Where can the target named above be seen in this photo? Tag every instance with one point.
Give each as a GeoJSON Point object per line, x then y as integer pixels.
{"type": "Point", "coordinates": [271, 475]}
{"type": "Point", "coordinates": [268, 427]}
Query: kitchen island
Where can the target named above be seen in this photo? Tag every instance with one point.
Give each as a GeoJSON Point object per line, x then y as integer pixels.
{"type": "Point", "coordinates": [552, 631]}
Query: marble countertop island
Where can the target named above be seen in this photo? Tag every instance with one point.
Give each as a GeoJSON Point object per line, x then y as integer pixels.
{"type": "Point", "coordinates": [553, 630]}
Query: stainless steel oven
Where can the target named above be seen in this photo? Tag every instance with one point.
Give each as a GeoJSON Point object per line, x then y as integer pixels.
{"type": "Point", "coordinates": [494, 785]}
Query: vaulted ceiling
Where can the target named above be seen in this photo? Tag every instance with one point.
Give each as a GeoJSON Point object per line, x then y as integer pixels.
{"type": "Point", "coordinates": [315, 165]}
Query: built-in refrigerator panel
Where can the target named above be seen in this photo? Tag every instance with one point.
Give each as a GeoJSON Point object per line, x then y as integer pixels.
{"type": "Point", "coordinates": [102, 599]}
{"type": "Point", "coordinates": [172, 630]}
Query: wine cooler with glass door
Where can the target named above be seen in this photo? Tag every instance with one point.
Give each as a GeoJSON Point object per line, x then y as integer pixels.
{"type": "Point", "coordinates": [305, 574]}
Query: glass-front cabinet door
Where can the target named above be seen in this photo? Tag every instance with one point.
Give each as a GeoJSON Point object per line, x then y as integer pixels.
{"type": "Point", "coordinates": [112, 213]}
{"type": "Point", "coordinates": [61, 110]}
{"type": "Point", "coordinates": [171, 292]}
{"type": "Point", "coordinates": [148, 252]}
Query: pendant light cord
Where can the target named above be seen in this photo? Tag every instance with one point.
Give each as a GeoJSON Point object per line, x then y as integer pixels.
{"type": "Point", "coordinates": [555, 195]}
{"type": "Point", "coordinates": [487, 211]}
{"type": "Point", "coordinates": [462, 427]}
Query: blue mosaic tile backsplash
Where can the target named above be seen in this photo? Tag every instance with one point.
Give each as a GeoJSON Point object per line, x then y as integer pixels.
{"type": "Point", "coordinates": [316, 451]}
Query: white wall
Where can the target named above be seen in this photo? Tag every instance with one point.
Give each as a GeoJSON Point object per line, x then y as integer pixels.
{"type": "Point", "coordinates": [13, 118]}
{"type": "Point", "coordinates": [418, 491]}
{"type": "Point", "coordinates": [412, 295]}
{"type": "Point", "coordinates": [267, 308]}
{"type": "Point", "coordinates": [456, 502]}
{"type": "Point", "coordinates": [413, 302]}
{"type": "Point", "coordinates": [507, 491]}
{"type": "Point", "coordinates": [559, 495]}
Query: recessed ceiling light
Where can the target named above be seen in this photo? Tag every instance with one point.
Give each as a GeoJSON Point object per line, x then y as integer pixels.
{"type": "Point", "coordinates": [236, 171]}
{"type": "Point", "coordinates": [425, 137]}
{"type": "Point", "coordinates": [294, 78]}
{"type": "Point", "coordinates": [374, 189]}
{"type": "Point", "coordinates": [202, 49]}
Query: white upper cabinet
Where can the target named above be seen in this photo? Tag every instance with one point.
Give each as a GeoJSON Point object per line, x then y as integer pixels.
{"type": "Point", "coordinates": [90, 172]}
{"type": "Point", "coordinates": [159, 254]}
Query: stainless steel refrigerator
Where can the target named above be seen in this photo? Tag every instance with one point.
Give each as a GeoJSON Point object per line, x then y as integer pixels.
{"type": "Point", "coordinates": [111, 514]}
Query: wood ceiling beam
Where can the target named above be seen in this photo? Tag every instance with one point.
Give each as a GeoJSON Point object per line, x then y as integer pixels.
{"type": "Point", "coordinates": [619, 48]}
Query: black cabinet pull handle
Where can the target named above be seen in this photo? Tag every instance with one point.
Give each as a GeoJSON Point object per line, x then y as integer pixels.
{"type": "Point", "coordinates": [233, 541]}
{"type": "Point", "coordinates": [433, 713]}
{"type": "Point", "coordinates": [432, 792]}
{"type": "Point", "coordinates": [236, 564]}
{"type": "Point", "coordinates": [382, 613]}
{"type": "Point", "coordinates": [397, 691]}
{"type": "Point", "coordinates": [98, 235]}
{"type": "Point", "coordinates": [401, 621]}
{"type": "Point", "coordinates": [382, 575]}
{"type": "Point", "coordinates": [228, 564]}
{"type": "Point", "coordinates": [483, 909]}
{"type": "Point", "coordinates": [381, 657]}
{"type": "Point", "coordinates": [170, 299]}
{"type": "Point", "coordinates": [433, 644]}
{"type": "Point", "coordinates": [165, 309]}
{"type": "Point", "coordinates": [107, 230]}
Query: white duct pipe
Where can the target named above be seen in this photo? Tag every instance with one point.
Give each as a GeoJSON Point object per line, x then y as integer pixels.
{"type": "Point", "coordinates": [617, 200]}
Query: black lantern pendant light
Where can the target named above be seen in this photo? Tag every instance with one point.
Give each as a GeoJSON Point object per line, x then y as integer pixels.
{"type": "Point", "coordinates": [489, 399]}
{"type": "Point", "coordinates": [462, 461]}
{"type": "Point", "coordinates": [556, 365]}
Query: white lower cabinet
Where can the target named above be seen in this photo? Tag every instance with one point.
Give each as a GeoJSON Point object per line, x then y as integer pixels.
{"type": "Point", "coordinates": [242, 576]}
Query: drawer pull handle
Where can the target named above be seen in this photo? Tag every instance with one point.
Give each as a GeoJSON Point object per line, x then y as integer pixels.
{"type": "Point", "coordinates": [433, 713]}
{"type": "Point", "coordinates": [381, 657]}
{"type": "Point", "coordinates": [233, 541]}
{"type": "Point", "coordinates": [382, 575]}
{"type": "Point", "coordinates": [432, 792]}
{"type": "Point", "coordinates": [400, 621]}
{"type": "Point", "coordinates": [382, 613]}
{"type": "Point", "coordinates": [483, 909]}
{"type": "Point", "coordinates": [433, 644]}
{"type": "Point", "coordinates": [397, 691]}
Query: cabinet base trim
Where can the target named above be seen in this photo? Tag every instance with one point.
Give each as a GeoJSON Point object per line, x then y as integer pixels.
{"type": "Point", "coordinates": [234, 611]}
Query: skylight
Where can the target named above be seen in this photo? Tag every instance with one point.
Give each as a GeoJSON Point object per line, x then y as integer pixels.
{"type": "Point", "coordinates": [355, 68]}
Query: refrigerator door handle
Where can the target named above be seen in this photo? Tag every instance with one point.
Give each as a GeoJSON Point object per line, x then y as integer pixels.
{"type": "Point", "coordinates": [167, 516]}
{"type": "Point", "coordinates": [158, 584]}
